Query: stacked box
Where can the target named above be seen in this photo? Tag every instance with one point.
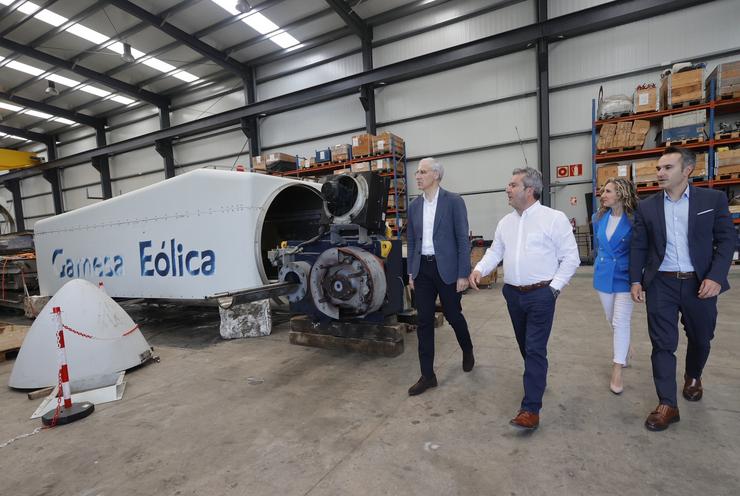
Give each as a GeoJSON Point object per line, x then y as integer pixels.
{"type": "Point", "coordinates": [604, 172]}
{"type": "Point", "coordinates": [400, 184]}
{"type": "Point", "coordinates": [388, 143]}
{"type": "Point", "coordinates": [727, 80]}
{"type": "Point", "coordinates": [275, 162]}
{"type": "Point", "coordinates": [258, 164]}
{"type": "Point", "coordinates": [341, 153]}
{"type": "Point", "coordinates": [382, 164]}
{"type": "Point", "coordinates": [342, 171]}
{"type": "Point", "coordinates": [362, 145]}
{"type": "Point", "coordinates": [682, 87]}
{"type": "Point", "coordinates": [645, 99]}
{"type": "Point", "coordinates": [323, 156]}
{"type": "Point", "coordinates": [644, 171]}
{"type": "Point", "coordinates": [606, 136]}
{"type": "Point", "coordinates": [727, 162]}
{"type": "Point", "coordinates": [360, 167]}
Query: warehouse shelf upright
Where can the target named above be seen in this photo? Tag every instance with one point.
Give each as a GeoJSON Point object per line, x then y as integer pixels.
{"type": "Point", "coordinates": [398, 161]}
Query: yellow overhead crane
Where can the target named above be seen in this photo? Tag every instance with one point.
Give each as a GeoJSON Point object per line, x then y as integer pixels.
{"type": "Point", "coordinates": [14, 159]}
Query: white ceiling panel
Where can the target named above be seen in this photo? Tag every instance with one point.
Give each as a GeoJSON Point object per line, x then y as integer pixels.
{"type": "Point", "coordinates": [197, 17]}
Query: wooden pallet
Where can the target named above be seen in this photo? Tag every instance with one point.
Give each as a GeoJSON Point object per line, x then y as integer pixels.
{"type": "Point", "coordinates": [647, 184]}
{"type": "Point", "coordinates": [730, 135]}
{"type": "Point", "coordinates": [729, 96]}
{"type": "Point", "coordinates": [687, 141]}
{"type": "Point", "coordinates": [732, 175]}
{"type": "Point", "coordinates": [696, 179]}
{"type": "Point", "coordinates": [688, 103]}
{"type": "Point", "coordinates": [620, 149]}
{"type": "Point", "coordinates": [616, 116]}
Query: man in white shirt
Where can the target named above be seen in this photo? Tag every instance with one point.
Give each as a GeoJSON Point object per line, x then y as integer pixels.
{"type": "Point", "coordinates": [438, 264]}
{"type": "Point", "coordinates": [540, 256]}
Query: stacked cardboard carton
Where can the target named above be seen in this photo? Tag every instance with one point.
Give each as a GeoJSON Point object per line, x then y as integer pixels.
{"type": "Point", "coordinates": [624, 134]}
{"type": "Point", "coordinates": [645, 99]}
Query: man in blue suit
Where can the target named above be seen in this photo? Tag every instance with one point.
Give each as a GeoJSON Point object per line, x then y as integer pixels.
{"type": "Point", "coordinates": [681, 251]}
{"type": "Point", "coordinates": [438, 264]}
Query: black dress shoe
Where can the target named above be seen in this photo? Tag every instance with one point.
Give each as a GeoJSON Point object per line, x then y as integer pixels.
{"type": "Point", "coordinates": [422, 385]}
{"type": "Point", "coordinates": [468, 361]}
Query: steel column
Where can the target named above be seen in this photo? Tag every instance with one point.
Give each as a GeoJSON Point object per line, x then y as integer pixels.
{"type": "Point", "coordinates": [15, 189]}
{"type": "Point", "coordinates": [543, 106]}
{"type": "Point", "coordinates": [102, 165]}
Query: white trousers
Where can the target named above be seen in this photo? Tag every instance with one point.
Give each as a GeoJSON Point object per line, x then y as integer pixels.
{"type": "Point", "coordinates": [618, 310]}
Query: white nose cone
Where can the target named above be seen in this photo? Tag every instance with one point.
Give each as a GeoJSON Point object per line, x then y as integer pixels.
{"type": "Point", "coordinates": [104, 342]}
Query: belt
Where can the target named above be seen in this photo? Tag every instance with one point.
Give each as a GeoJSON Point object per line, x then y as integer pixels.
{"type": "Point", "coordinates": [532, 287]}
{"type": "Point", "coordinates": [679, 275]}
{"type": "Point", "coordinates": [427, 258]}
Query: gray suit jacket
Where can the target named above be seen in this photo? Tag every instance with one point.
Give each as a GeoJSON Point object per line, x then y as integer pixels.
{"type": "Point", "coordinates": [450, 238]}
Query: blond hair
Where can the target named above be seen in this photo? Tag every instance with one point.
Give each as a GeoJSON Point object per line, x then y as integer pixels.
{"type": "Point", "coordinates": [626, 193]}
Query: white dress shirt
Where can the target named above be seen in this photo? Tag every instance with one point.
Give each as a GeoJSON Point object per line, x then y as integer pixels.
{"type": "Point", "coordinates": [427, 234]}
{"type": "Point", "coordinates": [536, 246]}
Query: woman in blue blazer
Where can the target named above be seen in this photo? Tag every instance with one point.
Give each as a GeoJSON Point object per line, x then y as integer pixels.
{"type": "Point", "coordinates": [612, 235]}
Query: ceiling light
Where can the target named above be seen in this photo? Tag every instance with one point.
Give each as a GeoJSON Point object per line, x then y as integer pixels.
{"type": "Point", "coordinates": [51, 89]}
{"type": "Point", "coordinates": [243, 6]}
{"type": "Point", "coordinates": [63, 120]}
{"type": "Point", "coordinates": [36, 113]}
{"type": "Point", "coordinates": [127, 55]}
{"type": "Point", "coordinates": [12, 108]}
{"type": "Point", "coordinates": [260, 23]}
{"type": "Point", "coordinates": [284, 40]}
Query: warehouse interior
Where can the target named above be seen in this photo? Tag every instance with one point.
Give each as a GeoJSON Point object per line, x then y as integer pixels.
{"type": "Point", "coordinates": [162, 113]}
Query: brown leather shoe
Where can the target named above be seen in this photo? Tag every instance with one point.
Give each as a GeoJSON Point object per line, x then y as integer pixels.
{"type": "Point", "coordinates": [525, 420]}
{"type": "Point", "coordinates": [692, 389]}
{"type": "Point", "coordinates": [422, 385]}
{"type": "Point", "coordinates": [662, 417]}
{"type": "Point", "coordinates": [468, 361]}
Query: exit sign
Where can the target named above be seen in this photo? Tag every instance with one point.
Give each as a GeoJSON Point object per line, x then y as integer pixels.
{"type": "Point", "coordinates": [571, 170]}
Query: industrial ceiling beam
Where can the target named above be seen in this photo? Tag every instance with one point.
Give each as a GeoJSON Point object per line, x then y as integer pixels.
{"type": "Point", "coordinates": [46, 139]}
{"type": "Point", "coordinates": [600, 17]}
{"type": "Point", "coordinates": [186, 39]}
{"type": "Point", "coordinates": [70, 65]}
{"type": "Point", "coordinates": [53, 110]}
{"type": "Point", "coordinates": [351, 19]}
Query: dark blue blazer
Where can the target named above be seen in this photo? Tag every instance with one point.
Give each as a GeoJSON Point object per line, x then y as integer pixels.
{"type": "Point", "coordinates": [711, 237]}
{"type": "Point", "coordinates": [450, 237]}
{"type": "Point", "coordinates": [611, 267]}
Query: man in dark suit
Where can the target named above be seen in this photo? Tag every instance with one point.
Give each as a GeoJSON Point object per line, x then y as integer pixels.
{"type": "Point", "coordinates": [681, 252]}
{"type": "Point", "coordinates": [438, 264]}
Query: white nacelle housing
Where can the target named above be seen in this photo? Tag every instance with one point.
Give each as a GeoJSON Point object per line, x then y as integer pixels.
{"type": "Point", "coordinates": [188, 237]}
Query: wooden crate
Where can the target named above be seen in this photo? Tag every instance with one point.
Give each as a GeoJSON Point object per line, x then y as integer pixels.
{"type": "Point", "coordinates": [645, 100]}
{"type": "Point", "coordinates": [727, 80]}
{"type": "Point", "coordinates": [604, 172]}
{"type": "Point", "coordinates": [682, 88]}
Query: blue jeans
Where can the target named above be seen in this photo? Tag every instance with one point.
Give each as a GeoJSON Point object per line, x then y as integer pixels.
{"type": "Point", "coordinates": [531, 315]}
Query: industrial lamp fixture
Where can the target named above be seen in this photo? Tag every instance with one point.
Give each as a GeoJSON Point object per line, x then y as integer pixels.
{"type": "Point", "coordinates": [51, 89]}
{"type": "Point", "coordinates": [127, 56]}
{"type": "Point", "coordinates": [243, 6]}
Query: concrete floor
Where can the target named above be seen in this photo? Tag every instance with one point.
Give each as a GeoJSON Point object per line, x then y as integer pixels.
{"type": "Point", "coordinates": [263, 417]}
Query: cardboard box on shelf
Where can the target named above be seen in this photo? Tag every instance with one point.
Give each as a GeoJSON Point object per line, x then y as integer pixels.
{"type": "Point", "coordinates": [360, 167]}
{"type": "Point", "coordinates": [341, 171]}
{"type": "Point", "coordinates": [682, 87]}
{"type": "Point", "coordinates": [608, 129]}
{"type": "Point", "coordinates": [258, 164]}
{"type": "Point", "coordinates": [636, 140]}
{"type": "Point", "coordinates": [388, 143]}
{"type": "Point", "coordinates": [624, 127]}
{"type": "Point", "coordinates": [645, 99]}
{"type": "Point", "coordinates": [700, 170]}
{"type": "Point", "coordinates": [643, 171]}
{"type": "Point", "coordinates": [606, 171]}
{"type": "Point", "coordinates": [727, 80]}
{"type": "Point", "coordinates": [401, 202]}
{"type": "Point", "coordinates": [362, 145]}
{"type": "Point", "coordinates": [341, 153]}
{"type": "Point", "coordinates": [640, 126]}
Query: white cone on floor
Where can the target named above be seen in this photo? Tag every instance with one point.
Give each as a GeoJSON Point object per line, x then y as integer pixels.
{"type": "Point", "coordinates": [89, 310]}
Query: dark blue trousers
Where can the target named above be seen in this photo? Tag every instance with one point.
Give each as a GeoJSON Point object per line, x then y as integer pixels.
{"type": "Point", "coordinates": [531, 315]}
{"type": "Point", "coordinates": [427, 285]}
{"type": "Point", "coordinates": [665, 298]}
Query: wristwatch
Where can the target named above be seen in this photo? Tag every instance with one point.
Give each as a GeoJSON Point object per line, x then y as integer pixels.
{"type": "Point", "coordinates": [555, 292]}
